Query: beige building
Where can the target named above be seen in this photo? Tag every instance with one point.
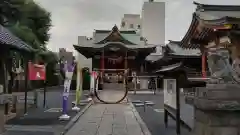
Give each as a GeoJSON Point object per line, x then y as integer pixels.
{"type": "Point", "coordinates": [153, 23]}
{"type": "Point", "coordinates": [131, 22]}
{"type": "Point", "coordinates": [64, 55]}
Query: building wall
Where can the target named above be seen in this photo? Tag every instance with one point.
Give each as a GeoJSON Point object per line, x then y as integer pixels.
{"type": "Point", "coordinates": [65, 55]}
{"type": "Point", "coordinates": [153, 23]}
{"type": "Point", "coordinates": [131, 22]}
{"type": "Point", "coordinates": [84, 62]}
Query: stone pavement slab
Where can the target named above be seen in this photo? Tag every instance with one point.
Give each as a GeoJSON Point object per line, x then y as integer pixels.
{"type": "Point", "coordinates": [109, 119]}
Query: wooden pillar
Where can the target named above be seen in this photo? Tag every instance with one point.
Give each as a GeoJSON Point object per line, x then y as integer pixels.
{"type": "Point", "coordinates": [204, 66]}
{"type": "Point", "coordinates": [141, 68]}
{"type": "Point", "coordinates": [126, 67]}
{"type": "Point", "coordinates": [145, 66]}
{"type": "Point", "coordinates": [126, 60]}
{"type": "Point", "coordinates": [102, 63]}
{"type": "Point", "coordinates": [26, 84]}
{"type": "Point", "coordinates": [204, 74]}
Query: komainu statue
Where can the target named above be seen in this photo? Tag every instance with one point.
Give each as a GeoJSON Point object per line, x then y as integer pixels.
{"type": "Point", "coordinates": [220, 68]}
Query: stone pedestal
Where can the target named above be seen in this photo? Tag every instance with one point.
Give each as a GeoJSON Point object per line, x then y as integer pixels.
{"type": "Point", "coordinates": [2, 118]}
{"type": "Point", "coordinates": [217, 110]}
{"type": "Point", "coordinates": [4, 98]}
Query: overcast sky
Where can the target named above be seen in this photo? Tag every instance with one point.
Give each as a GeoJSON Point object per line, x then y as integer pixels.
{"type": "Point", "coordinates": [72, 18]}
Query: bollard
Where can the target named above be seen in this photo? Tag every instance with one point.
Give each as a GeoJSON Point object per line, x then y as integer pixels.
{"type": "Point", "coordinates": [78, 88]}
{"type": "Point", "coordinates": [155, 89]}
{"type": "Point", "coordinates": [144, 106]}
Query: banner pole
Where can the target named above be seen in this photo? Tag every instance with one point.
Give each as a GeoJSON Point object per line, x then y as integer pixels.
{"type": "Point", "coordinates": [78, 87]}
{"type": "Point", "coordinates": [92, 85]}
{"type": "Point", "coordinates": [67, 84]}
{"type": "Point", "coordinates": [45, 89]}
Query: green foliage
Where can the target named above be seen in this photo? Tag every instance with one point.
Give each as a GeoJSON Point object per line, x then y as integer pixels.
{"type": "Point", "coordinates": [27, 20]}
{"type": "Point", "coordinates": [37, 19]}
{"type": "Point", "coordinates": [49, 57]}
{"type": "Point", "coordinates": [30, 22]}
{"type": "Point", "coordinates": [9, 11]}
{"type": "Point", "coordinates": [26, 34]}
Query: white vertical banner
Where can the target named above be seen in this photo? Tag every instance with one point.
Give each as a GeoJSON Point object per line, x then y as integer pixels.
{"type": "Point", "coordinates": [92, 83]}
{"type": "Point", "coordinates": [67, 84]}
{"type": "Point", "coordinates": [97, 81]}
{"type": "Point", "coordinates": [170, 87]}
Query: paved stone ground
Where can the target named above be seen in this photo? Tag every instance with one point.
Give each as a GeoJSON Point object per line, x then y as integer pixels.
{"type": "Point", "coordinates": [154, 116]}
{"type": "Point", "coordinates": [108, 119]}
{"type": "Point", "coordinates": [38, 121]}
{"type": "Point", "coordinates": [49, 115]}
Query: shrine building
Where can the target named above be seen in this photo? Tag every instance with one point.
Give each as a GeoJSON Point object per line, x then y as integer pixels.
{"type": "Point", "coordinates": [116, 50]}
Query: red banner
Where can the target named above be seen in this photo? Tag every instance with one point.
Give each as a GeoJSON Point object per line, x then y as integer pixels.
{"type": "Point", "coordinates": [94, 74]}
{"type": "Point", "coordinates": [36, 72]}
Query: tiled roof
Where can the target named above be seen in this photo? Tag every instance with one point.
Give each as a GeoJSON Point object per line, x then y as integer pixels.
{"type": "Point", "coordinates": [169, 67]}
{"type": "Point", "coordinates": [207, 7]}
{"type": "Point", "coordinates": [209, 17]}
{"type": "Point", "coordinates": [6, 37]}
{"type": "Point", "coordinates": [176, 49]}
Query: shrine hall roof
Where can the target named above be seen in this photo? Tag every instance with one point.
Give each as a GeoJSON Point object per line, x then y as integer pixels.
{"type": "Point", "coordinates": [89, 51]}
{"type": "Point", "coordinates": [206, 19]}
{"type": "Point", "coordinates": [130, 37]}
{"type": "Point", "coordinates": [175, 49]}
{"type": "Point", "coordinates": [133, 38]}
{"type": "Point", "coordinates": [113, 38]}
{"type": "Point", "coordinates": [121, 31]}
{"type": "Point", "coordinates": [207, 7]}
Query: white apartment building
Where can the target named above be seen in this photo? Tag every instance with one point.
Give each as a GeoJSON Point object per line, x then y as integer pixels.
{"type": "Point", "coordinates": [84, 62]}
{"type": "Point", "coordinates": [131, 22]}
{"type": "Point", "coordinates": [153, 23]}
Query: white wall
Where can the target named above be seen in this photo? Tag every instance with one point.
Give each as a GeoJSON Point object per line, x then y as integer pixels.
{"type": "Point", "coordinates": [153, 23]}
{"type": "Point", "coordinates": [129, 19]}
{"type": "Point", "coordinates": [84, 62]}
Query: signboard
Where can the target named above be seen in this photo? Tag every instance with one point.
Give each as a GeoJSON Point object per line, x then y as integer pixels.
{"type": "Point", "coordinates": [36, 72]}
{"type": "Point", "coordinates": [170, 92]}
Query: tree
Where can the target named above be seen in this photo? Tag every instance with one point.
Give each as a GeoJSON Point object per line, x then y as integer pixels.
{"type": "Point", "coordinates": [8, 11]}
{"type": "Point", "coordinates": [25, 34]}
{"type": "Point", "coordinates": [38, 20]}
{"type": "Point", "coordinates": [31, 23]}
{"type": "Point", "coordinates": [27, 20]}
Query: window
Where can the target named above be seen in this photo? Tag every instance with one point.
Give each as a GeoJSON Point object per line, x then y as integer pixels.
{"type": "Point", "coordinates": [123, 24]}
{"type": "Point", "coordinates": [139, 26]}
{"type": "Point", "coordinates": [131, 26]}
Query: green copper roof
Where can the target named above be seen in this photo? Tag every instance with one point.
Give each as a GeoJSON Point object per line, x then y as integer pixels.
{"type": "Point", "coordinates": [127, 37]}
{"type": "Point", "coordinates": [134, 38]}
